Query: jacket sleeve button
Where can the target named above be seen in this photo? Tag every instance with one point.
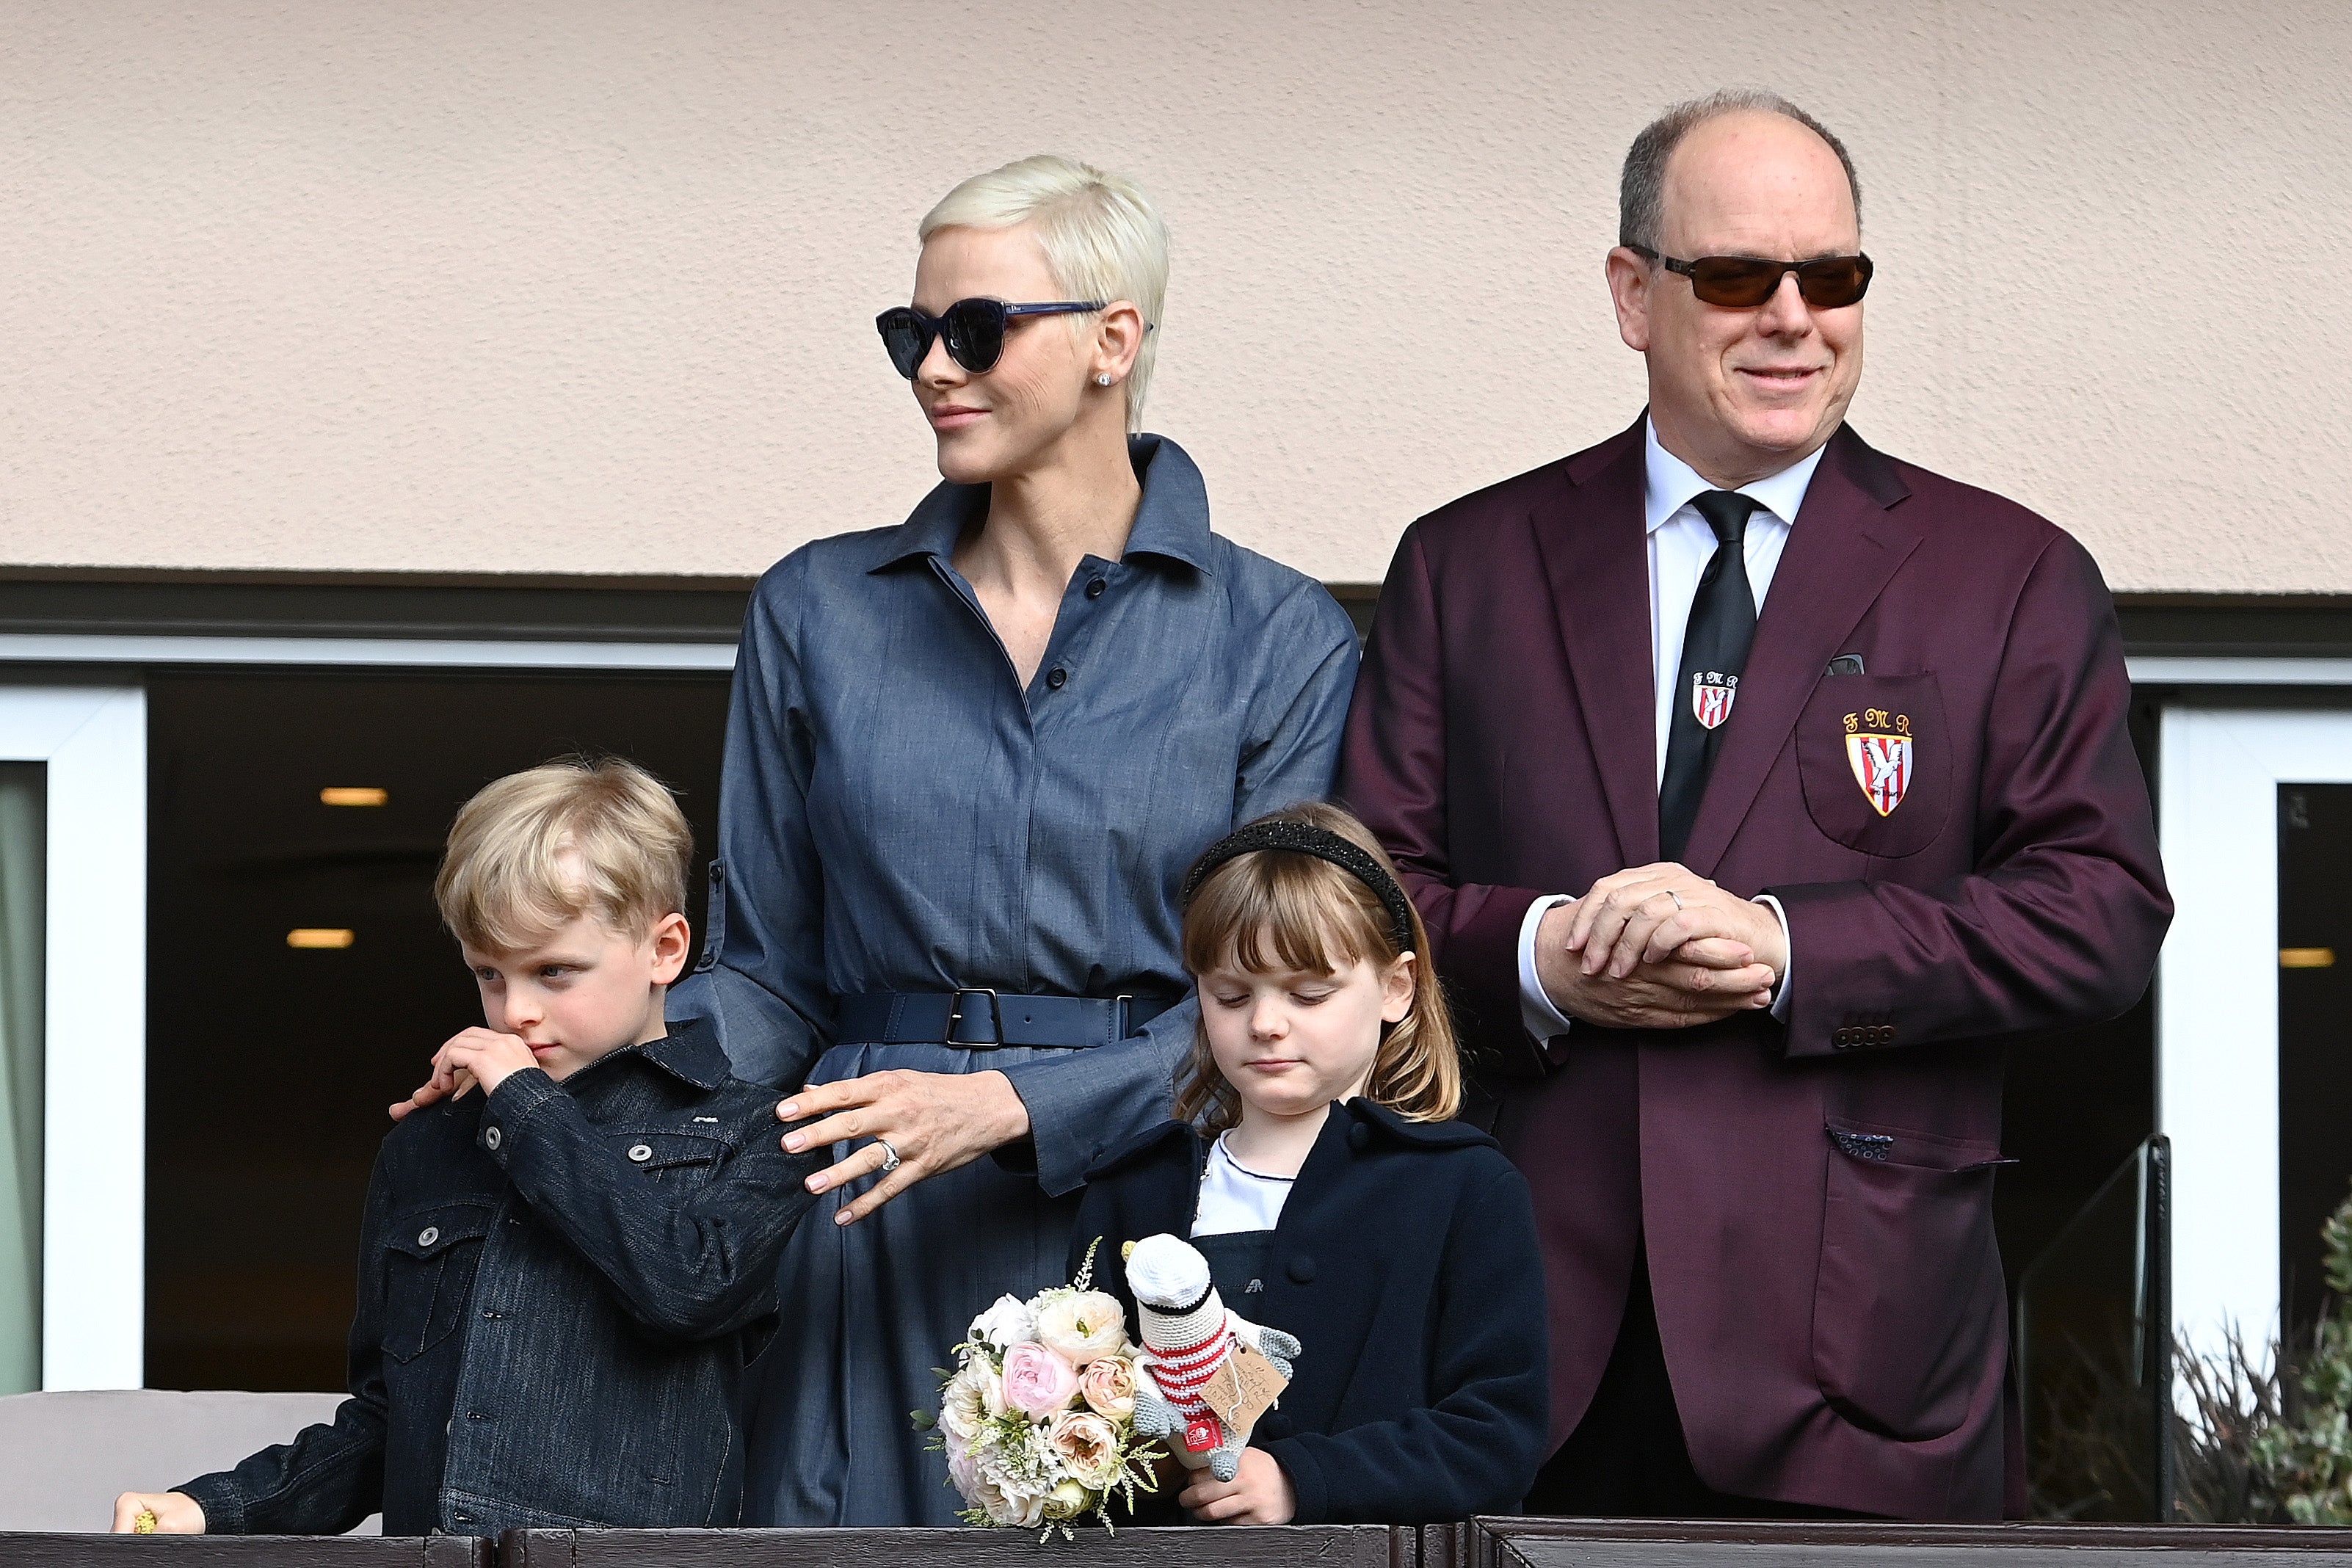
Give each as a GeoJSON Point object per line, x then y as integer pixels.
{"type": "Point", "coordinates": [1302, 1269]}
{"type": "Point", "coordinates": [492, 1137]}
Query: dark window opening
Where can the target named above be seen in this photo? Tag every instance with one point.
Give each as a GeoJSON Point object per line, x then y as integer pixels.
{"type": "Point", "coordinates": [269, 1065]}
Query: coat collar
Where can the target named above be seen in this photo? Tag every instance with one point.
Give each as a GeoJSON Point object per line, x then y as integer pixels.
{"type": "Point", "coordinates": [1380, 1125]}
{"type": "Point", "coordinates": [689, 1053]}
{"type": "Point", "coordinates": [1595, 551]}
{"type": "Point", "coordinates": [1171, 520]}
{"type": "Point", "coordinates": [1846, 543]}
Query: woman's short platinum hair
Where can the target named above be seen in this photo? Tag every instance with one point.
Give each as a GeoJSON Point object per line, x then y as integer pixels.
{"type": "Point", "coordinates": [1641, 191]}
{"type": "Point", "coordinates": [1102, 236]}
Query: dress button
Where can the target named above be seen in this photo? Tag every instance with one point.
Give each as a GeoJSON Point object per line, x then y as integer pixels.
{"type": "Point", "coordinates": [492, 1137]}
{"type": "Point", "coordinates": [1359, 1137]}
{"type": "Point", "coordinates": [1302, 1269]}
{"type": "Point", "coordinates": [641, 1153]}
{"type": "Point", "coordinates": [1057, 678]}
{"type": "Point", "coordinates": [428, 1236]}
{"type": "Point", "coordinates": [1095, 589]}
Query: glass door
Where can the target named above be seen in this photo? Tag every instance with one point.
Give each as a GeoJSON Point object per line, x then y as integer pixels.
{"type": "Point", "coordinates": [73, 947]}
{"type": "Point", "coordinates": [2254, 1008]}
{"type": "Point", "coordinates": [24, 914]}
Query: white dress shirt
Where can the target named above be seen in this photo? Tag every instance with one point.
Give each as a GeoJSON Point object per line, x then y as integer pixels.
{"type": "Point", "coordinates": [1681, 544]}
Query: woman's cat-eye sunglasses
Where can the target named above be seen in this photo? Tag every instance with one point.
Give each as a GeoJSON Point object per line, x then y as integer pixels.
{"type": "Point", "coordinates": [975, 329]}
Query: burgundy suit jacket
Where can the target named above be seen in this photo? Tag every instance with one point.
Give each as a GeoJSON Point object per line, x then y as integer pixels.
{"type": "Point", "coordinates": [1817, 1197]}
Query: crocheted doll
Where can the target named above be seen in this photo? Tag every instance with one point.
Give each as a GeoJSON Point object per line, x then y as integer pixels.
{"type": "Point", "coordinates": [1198, 1389]}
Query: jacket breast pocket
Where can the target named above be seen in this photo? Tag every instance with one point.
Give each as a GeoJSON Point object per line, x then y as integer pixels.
{"type": "Point", "coordinates": [1876, 762]}
{"type": "Point", "coordinates": [430, 1258]}
{"type": "Point", "coordinates": [1909, 1289]}
{"type": "Point", "coordinates": [679, 1159]}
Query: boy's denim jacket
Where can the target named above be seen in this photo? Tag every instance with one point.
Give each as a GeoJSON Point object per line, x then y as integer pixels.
{"type": "Point", "coordinates": [560, 1288]}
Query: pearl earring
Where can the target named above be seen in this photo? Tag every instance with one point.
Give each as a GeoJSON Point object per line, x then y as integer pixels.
{"type": "Point", "coordinates": [1102, 381]}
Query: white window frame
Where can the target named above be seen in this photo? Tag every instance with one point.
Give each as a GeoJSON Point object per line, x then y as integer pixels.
{"type": "Point", "coordinates": [93, 742]}
{"type": "Point", "coordinates": [2217, 1001]}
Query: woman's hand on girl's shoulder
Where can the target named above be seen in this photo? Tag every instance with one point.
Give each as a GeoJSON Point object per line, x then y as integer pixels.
{"type": "Point", "coordinates": [1259, 1493]}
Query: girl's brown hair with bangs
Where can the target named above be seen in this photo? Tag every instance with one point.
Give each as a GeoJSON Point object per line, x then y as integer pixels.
{"type": "Point", "coordinates": [1271, 911]}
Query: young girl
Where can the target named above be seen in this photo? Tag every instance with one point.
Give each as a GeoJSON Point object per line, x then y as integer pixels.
{"type": "Point", "coordinates": [1313, 1163]}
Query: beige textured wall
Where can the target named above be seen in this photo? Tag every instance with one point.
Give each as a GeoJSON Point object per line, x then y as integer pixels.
{"type": "Point", "coordinates": [586, 285]}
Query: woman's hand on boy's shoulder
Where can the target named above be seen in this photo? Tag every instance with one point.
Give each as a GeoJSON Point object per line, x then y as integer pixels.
{"type": "Point", "coordinates": [1259, 1493]}
{"type": "Point", "coordinates": [475, 1055]}
{"type": "Point", "coordinates": [176, 1514]}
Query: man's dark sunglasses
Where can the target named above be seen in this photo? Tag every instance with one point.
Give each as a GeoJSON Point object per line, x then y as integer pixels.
{"type": "Point", "coordinates": [1743, 282]}
{"type": "Point", "coordinates": [975, 329]}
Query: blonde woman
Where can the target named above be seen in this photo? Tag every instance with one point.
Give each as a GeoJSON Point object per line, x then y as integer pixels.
{"type": "Point", "coordinates": [968, 759]}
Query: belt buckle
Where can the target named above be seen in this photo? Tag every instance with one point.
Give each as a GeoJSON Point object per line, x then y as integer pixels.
{"type": "Point", "coordinates": [955, 1013]}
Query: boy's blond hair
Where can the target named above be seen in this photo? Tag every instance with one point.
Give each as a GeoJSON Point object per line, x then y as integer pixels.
{"type": "Point", "coordinates": [536, 850]}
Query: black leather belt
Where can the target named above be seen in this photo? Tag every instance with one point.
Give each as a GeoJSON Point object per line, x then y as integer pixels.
{"type": "Point", "coordinates": [982, 1019]}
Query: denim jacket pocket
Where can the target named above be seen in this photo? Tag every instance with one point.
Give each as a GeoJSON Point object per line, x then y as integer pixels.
{"type": "Point", "coordinates": [430, 1258]}
{"type": "Point", "coordinates": [664, 1154]}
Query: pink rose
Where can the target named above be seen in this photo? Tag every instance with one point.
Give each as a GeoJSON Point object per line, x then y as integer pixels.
{"type": "Point", "coordinates": [1108, 1386]}
{"type": "Point", "coordinates": [1037, 1382]}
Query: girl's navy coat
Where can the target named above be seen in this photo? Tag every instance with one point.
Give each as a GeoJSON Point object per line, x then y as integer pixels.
{"type": "Point", "coordinates": [1406, 1262]}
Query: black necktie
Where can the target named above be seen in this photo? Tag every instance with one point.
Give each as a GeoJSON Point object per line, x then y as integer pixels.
{"type": "Point", "coordinates": [1715, 652]}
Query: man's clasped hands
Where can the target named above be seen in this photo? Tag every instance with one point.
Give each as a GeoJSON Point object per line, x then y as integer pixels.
{"type": "Point", "coordinates": [1660, 946]}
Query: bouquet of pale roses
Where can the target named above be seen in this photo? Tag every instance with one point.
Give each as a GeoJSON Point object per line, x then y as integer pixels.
{"type": "Point", "coordinates": [1038, 1417]}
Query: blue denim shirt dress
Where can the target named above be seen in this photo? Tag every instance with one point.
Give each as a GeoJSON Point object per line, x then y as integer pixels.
{"type": "Point", "coordinates": [900, 814]}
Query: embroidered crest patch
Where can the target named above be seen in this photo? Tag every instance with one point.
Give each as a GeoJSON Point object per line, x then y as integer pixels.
{"type": "Point", "coordinates": [1878, 747]}
{"type": "Point", "coordinates": [1712, 695]}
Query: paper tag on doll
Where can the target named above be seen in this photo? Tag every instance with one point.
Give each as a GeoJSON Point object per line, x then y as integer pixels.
{"type": "Point", "coordinates": [1243, 1388]}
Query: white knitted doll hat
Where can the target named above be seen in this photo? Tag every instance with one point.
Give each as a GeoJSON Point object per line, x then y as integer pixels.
{"type": "Point", "coordinates": [1173, 1295]}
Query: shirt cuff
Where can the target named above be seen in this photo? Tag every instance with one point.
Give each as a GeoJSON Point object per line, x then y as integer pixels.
{"type": "Point", "coordinates": [1541, 1019]}
{"type": "Point", "coordinates": [1781, 986]}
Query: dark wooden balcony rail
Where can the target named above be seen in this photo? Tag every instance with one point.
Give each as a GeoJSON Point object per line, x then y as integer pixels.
{"type": "Point", "coordinates": [1480, 1544]}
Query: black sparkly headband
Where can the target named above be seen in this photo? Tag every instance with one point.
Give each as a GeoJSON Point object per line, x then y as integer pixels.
{"type": "Point", "coordinates": [1305, 839]}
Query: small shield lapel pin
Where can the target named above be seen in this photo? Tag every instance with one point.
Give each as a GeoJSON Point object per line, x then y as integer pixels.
{"type": "Point", "coordinates": [1712, 695]}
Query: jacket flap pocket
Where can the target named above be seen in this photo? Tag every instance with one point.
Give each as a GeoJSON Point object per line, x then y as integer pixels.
{"type": "Point", "coordinates": [665, 1149]}
{"type": "Point", "coordinates": [1880, 1144]}
{"type": "Point", "coordinates": [429, 1232]}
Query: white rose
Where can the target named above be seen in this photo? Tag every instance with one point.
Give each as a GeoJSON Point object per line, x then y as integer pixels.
{"type": "Point", "coordinates": [964, 1404]}
{"type": "Point", "coordinates": [1005, 1504]}
{"type": "Point", "coordinates": [1082, 1327]}
{"type": "Point", "coordinates": [1007, 1323]}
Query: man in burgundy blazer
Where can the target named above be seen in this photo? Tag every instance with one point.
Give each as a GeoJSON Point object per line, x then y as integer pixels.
{"type": "Point", "coordinates": [1762, 1121]}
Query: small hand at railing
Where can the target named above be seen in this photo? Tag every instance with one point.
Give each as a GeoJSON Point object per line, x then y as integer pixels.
{"type": "Point", "coordinates": [158, 1513]}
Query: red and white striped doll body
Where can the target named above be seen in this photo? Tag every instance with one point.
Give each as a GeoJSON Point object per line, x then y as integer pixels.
{"type": "Point", "coordinates": [1188, 1336]}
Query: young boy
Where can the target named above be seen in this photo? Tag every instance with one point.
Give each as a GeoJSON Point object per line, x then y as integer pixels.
{"type": "Point", "coordinates": [563, 1277]}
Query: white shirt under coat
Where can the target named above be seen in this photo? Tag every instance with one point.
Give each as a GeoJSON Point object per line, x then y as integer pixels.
{"type": "Point", "coordinates": [1681, 544]}
{"type": "Point", "coordinates": [1235, 1198]}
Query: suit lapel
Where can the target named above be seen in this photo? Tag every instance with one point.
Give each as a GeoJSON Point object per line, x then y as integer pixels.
{"type": "Point", "coordinates": [1845, 545]}
{"type": "Point", "coordinates": [1596, 555]}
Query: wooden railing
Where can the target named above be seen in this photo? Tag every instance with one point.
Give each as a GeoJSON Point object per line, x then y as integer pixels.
{"type": "Point", "coordinates": [1480, 1544]}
